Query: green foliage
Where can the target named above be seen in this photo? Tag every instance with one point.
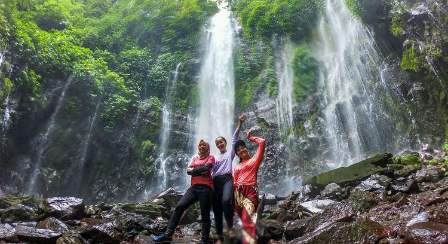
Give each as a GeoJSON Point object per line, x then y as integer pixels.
{"type": "Point", "coordinates": [411, 159]}
{"type": "Point", "coordinates": [161, 72]}
{"type": "Point", "coordinates": [29, 81]}
{"type": "Point", "coordinates": [267, 17]}
{"type": "Point", "coordinates": [263, 124]}
{"type": "Point", "coordinates": [145, 156]}
{"type": "Point", "coordinates": [445, 146]}
{"type": "Point", "coordinates": [397, 25]}
{"type": "Point", "coordinates": [410, 60]}
{"type": "Point", "coordinates": [247, 74]}
{"type": "Point", "coordinates": [6, 87]}
{"type": "Point", "coordinates": [355, 6]}
{"type": "Point", "coordinates": [306, 72]}
{"type": "Point", "coordinates": [57, 14]}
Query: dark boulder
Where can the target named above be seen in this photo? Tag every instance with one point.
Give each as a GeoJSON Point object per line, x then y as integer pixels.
{"type": "Point", "coordinates": [294, 229]}
{"type": "Point", "coordinates": [372, 226]}
{"type": "Point", "coordinates": [142, 239]}
{"type": "Point", "coordinates": [338, 212]}
{"type": "Point", "coordinates": [376, 183]}
{"type": "Point", "coordinates": [332, 190]}
{"type": "Point", "coordinates": [341, 233]}
{"type": "Point", "coordinates": [306, 193]}
{"type": "Point", "coordinates": [17, 213]}
{"type": "Point", "coordinates": [315, 206]}
{"type": "Point", "coordinates": [405, 185]}
{"type": "Point", "coordinates": [70, 238]}
{"type": "Point", "coordinates": [91, 221]}
{"type": "Point", "coordinates": [52, 224]}
{"type": "Point", "coordinates": [427, 233]}
{"type": "Point", "coordinates": [64, 208]}
{"type": "Point", "coordinates": [352, 174]}
{"type": "Point", "coordinates": [362, 201]}
{"type": "Point", "coordinates": [429, 175]}
{"type": "Point", "coordinates": [269, 229]}
{"type": "Point", "coordinates": [8, 233]}
{"type": "Point", "coordinates": [34, 235]}
{"type": "Point", "coordinates": [107, 233]}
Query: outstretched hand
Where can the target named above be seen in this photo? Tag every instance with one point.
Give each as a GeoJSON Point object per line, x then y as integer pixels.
{"type": "Point", "coordinates": [242, 118]}
{"type": "Point", "coordinates": [249, 134]}
{"type": "Point", "coordinates": [189, 170]}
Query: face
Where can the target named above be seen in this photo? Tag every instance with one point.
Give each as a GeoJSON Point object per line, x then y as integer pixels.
{"type": "Point", "coordinates": [203, 148]}
{"type": "Point", "coordinates": [242, 152]}
{"type": "Point", "coordinates": [220, 144]}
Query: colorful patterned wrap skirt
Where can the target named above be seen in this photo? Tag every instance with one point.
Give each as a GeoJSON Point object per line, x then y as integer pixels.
{"type": "Point", "coordinates": [246, 204]}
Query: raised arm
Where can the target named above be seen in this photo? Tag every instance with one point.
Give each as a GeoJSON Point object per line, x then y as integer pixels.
{"type": "Point", "coordinates": [241, 120]}
{"type": "Point", "coordinates": [258, 157]}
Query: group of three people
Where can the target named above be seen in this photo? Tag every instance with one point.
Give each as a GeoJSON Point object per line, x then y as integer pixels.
{"type": "Point", "coordinates": [212, 184]}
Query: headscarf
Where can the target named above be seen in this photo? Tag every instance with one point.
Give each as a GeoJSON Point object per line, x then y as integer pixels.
{"type": "Point", "coordinates": [206, 154]}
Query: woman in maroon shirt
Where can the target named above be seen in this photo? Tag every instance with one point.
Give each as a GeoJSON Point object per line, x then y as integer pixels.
{"type": "Point", "coordinates": [246, 186]}
{"type": "Point", "coordinates": [201, 190]}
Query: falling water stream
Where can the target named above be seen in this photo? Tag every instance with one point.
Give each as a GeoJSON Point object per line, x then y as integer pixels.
{"type": "Point", "coordinates": [349, 62]}
{"type": "Point", "coordinates": [285, 75]}
{"type": "Point", "coordinates": [216, 81]}
{"type": "Point", "coordinates": [42, 142]}
{"type": "Point", "coordinates": [85, 144]}
{"type": "Point", "coordinates": [167, 110]}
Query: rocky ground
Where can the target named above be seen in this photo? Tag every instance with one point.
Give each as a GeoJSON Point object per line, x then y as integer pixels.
{"type": "Point", "coordinates": [383, 199]}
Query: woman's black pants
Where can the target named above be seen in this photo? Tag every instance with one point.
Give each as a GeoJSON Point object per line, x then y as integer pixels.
{"type": "Point", "coordinates": [222, 201]}
{"type": "Point", "coordinates": [201, 193]}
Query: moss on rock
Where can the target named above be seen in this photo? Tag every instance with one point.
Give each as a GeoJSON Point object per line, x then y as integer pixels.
{"type": "Point", "coordinates": [354, 173]}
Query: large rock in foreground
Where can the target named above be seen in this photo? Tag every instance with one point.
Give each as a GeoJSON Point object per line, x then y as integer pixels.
{"type": "Point", "coordinates": [352, 174]}
{"type": "Point", "coordinates": [63, 207]}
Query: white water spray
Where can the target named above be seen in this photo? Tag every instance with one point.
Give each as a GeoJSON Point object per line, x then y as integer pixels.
{"type": "Point", "coordinates": [44, 137]}
{"type": "Point", "coordinates": [350, 62]}
{"type": "Point", "coordinates": [167, 124]}
{"type": "Point", "coordinates": [285, 75]}
{"type": "Point", "coordinates": [216, 81]}
{"type": "Point", "coordinates": [85, 144]}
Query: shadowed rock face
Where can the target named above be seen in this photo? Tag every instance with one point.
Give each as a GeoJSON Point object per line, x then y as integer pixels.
{"type": "Point", "coordinates": [63, 207]}
{"type": "Point", "coordinates": [427, 232]}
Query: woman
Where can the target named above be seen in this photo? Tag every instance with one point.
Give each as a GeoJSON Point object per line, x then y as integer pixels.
{"type": "Point", "coordinates": [201, 190]}
{"type": "Point", "coordinates": [246, 187]}
{"type": "Point", "coordinates": [223, 181]}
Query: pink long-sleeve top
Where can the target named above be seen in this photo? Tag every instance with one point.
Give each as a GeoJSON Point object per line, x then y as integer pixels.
{"type": "Point", "coordinates": [246, 172]}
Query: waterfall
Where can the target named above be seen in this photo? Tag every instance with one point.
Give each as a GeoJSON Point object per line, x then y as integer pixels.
{"type": "Point", "coordinates": [85, 144]}
{"type": "Point", "coordinates": [216, 81]}
{"type": "Point", "coordinates": [167, 110]}
{"type": "Point", "coordinates": [349, 62]}
{"type": "Point", "coordinates": [2, 58]}
{"type": "Point", "coordinates": [285, 75]}
{"type": "Point", "coordinates": [42, 141]}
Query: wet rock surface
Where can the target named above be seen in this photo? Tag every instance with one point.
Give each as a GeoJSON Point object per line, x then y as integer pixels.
{"type": "Point", "coordinates": [388, 207]}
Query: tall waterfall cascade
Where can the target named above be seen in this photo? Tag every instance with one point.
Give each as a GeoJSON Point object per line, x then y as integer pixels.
{"type": "Point", "coordinates": [86, 142]}
{"type": "Point", "coordinates": [216, 81]}
{"type": "Point", "coordinates": [167, 122]}
{"type": "Point", "coordinates": [349, 62]}
{"type": "Point", "coordinates": [284, 75]}
{"type": "Point", "coordinates": [42, 142]}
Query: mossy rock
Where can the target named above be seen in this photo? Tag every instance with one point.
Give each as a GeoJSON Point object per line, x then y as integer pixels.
{"type": "Point", "coordinates": [362, 201]}
{"type": "Point", "coordinates": [410, 159]}
{"type": "Point", "coordinates": [352, 174]}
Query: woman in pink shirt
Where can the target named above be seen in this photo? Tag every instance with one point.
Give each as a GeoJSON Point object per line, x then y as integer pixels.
{"type": "Point", "coordinates": [201, 190]}
{"type": "Point", "coordinates": [246, 187]}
